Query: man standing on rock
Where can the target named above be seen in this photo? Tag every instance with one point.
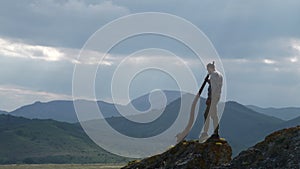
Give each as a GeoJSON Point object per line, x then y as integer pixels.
{"type": "Point", "coordinates": [215, 81]}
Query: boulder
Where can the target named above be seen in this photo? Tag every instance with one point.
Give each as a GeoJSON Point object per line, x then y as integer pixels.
{"type": "Point", "coordinates": [188, 155]}
{"type": "Point", "coordinates": [280, 149]}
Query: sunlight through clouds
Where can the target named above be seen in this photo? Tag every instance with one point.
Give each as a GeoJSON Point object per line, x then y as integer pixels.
{"type": "Point", "coordinates": [11, 97]}
{"type": "Point", "coordinates": [295, 43]}
{"type": "Point", "coordinates": [10, 48]}
{"type": "Point", "coordinates": [16, 49]}
{"type": "Point", "coordinates": [269, 61]}
{"type": "Point", "coordinates": [294, 59]}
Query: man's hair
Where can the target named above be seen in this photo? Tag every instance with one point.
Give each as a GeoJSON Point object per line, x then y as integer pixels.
{"type": "Point", "coordinates": [211, 65]}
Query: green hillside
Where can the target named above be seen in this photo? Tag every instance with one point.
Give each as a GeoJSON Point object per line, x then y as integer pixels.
{"type": "Point", "coordinates": [48, 141]}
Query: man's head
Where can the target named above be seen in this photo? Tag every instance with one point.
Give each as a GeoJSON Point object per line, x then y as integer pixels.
{"type": "Point", "coordinates": [211, 67]}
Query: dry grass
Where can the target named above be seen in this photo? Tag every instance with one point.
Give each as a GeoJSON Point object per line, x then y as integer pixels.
{"type": "Point", "coordinates": [62, 166]}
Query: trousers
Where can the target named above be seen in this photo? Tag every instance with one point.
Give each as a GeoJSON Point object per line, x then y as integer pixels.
{"type": "Point", "coordinates": [211, 111]}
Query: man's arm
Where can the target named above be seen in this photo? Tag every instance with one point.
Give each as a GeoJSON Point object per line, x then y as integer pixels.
{"type": "Point", "coordinates": [203, 85]}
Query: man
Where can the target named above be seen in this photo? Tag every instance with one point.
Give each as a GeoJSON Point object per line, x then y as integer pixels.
{"type": "Point", "coordinates": [214, 92]}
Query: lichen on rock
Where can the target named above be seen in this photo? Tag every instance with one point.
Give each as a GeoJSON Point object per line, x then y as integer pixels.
{"type": "Point", "coordinates": [188, 155]}
{"type": "Point", "coordinates": [279, 150]}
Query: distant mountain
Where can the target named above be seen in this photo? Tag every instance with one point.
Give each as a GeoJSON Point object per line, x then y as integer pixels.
{"type": "Point", "coordinates": [241, 126]}
{"type": "Point", "coordinates": [142, 103]}
{"type": "Point", "coordinates": [290, 123]}
{"type": "Point", "coordinates": [48, 141]}
{"type": "Point", "coordinates": [3, 112]}
{"type": "Point", "coordinates": [142, 130]}
{"type": "Point", "coordinates": [287, 113]}
{"type": "Point", "coordinates": [61, 110]}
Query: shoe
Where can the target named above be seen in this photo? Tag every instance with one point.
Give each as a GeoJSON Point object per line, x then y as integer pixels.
{"type": "Point", "coordinates": [203, 137]}
{"type": "Point", "coordinates": [215, 136]}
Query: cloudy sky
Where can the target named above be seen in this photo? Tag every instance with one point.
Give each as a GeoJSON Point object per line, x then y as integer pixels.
{"type": "Point", "coordinates": [258, 42]}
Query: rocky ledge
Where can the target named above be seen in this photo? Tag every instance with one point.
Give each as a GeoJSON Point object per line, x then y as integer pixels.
{"type": "Point", "coordinates": [279, 150]}
{"type": "Point", "coordinates": [188, 155]}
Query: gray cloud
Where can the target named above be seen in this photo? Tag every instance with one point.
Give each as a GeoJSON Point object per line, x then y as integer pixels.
{"type": "Point", "coordinates": [259, 42]}
{"type": "Point", "coordinates": [57, 23]}
{"type": "Point", "coordinates": [237, 28]}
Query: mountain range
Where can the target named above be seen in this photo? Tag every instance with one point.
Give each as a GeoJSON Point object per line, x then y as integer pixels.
{"type": "Point", "coordinates": [63, 110]}
{"type": "Point", "coordinates": [60, 110]}
{"type": "Point", "coordinates": [240, 125]}
{"type": "Point", "coordinates": [3, 112]}
{"type": "Point", "coordinates": [287, 113]}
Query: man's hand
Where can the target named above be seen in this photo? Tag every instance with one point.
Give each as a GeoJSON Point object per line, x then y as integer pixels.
{"type": "Point", "coordinates": [206, 78]}
{"type": "Point", "coordinates": [208, 101]}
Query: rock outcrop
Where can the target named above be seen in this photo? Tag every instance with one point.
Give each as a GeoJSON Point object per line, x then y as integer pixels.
{"type": "Point", "coordinates": [279, 150]}
{"type": "Point", "coordinates": [188, 155]}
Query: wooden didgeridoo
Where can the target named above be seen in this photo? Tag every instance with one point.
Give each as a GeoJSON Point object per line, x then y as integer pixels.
{"type": "Point", "coordinates": [185, 132]}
